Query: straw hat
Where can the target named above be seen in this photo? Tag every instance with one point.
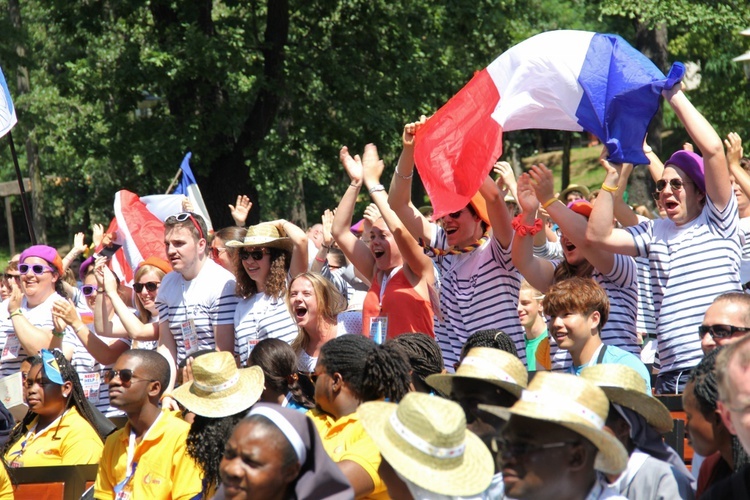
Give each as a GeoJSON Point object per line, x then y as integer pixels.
{"type": "Point", "coordinates": [625, 387]}
{"type": "Point", "coordinates": [219, 388]}
{"type": "Point", "coordinates": [490, 365]}
{"type": "Point", "coordinates": [573, 187]}
{"type": "Point", "coordinates": [263, 235]}
{"type": "Point", "coordinates": [424, 438]}
{"type": "Point", "coordinates": [574, 403]}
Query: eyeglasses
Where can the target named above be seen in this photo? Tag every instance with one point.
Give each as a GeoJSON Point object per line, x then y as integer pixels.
{"type": "Point", "coordinates": [675, 184]}
{"type": "Point", "coordinates": [41, 382]}
{"type": "Point", "coordinates": [88, 290]}
{"type": "Point", "coordinates": [215, 251]}
{"type": "Point", "coordinates": [126, 376]}
{"type": "Point", "coordinates": [150, 286]}
{"type": "Point", "coordinates": [520, 449]}
{"type": "Point", "coordinates": [8, 276]}
{"type": "Point", "coordinates": [720, 331]}
{"type": "Point", "coordinates": [255, 254]}
{"type": "Point", "coordinates": [37, 269]}
{"type": "Point", "coordinates": [182, 217]}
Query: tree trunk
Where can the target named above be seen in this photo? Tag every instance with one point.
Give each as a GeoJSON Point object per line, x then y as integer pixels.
{"type": "Point", "coordinates": [567, 140]}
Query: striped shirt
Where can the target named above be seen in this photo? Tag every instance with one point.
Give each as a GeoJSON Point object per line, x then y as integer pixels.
{"type": "Point", "coordinates": [202, 303]}
{"type": "Point", "coordinates": [479, 291]}
{"type": "Point", "coordinates": [745, 264]}
{"type": "Point", "coordinates": [690, 266]}
{"type": "Point", "coordinates": [259, 317]}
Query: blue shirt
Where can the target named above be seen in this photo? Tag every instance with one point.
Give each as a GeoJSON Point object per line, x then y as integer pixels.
{"type": "Point", "coordinates": [612, 355]}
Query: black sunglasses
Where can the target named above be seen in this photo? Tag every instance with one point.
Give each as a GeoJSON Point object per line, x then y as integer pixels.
{"type": "Point", "coordinates": [455, 215]}
{"type": "Point", "coordinates": [255, 254]}
{"type": "Point", "coordinates": [720, 331]}
{"type": "Point", "coordinates": [520, 448]}
{"type": "Point", "coordinates": [675, 184]}
{"type": "Point", "coordinates": [126, 376]}
{"type": "Point", "coordinates": [151, 286]}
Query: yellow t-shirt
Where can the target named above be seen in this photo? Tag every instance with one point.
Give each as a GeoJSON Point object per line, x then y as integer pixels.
{"type": "Point", "coordinates": [74, 441]}
{"type": "Point", "coordinates": [346, 439]}
{"type": "Point", "coordinates": [6, 488]}
{"type": "Point", "coordinates": [164, 470]}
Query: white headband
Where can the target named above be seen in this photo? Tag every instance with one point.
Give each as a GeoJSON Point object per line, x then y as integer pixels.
{"type": "Point", "coordinates": [488, 368]}
{"type": "Point", "coordinates": [218, 387]}
{"type": "Point", "coordinates": [560, 403]}
{"type": "Point", "coordinates": [285, 427]}
{"type": "Point", "coordinates": [421, 444]}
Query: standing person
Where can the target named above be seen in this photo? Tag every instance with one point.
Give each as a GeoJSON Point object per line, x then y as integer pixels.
{"type": "Point", "coordinates": [223, 255]}
{"type": "Point", "coordinates": [267, 255]}
{"type": "Point", "coordinates": [478, 283]}
{"type": "Point", "coordinates": [697, 247]}
{"type": "Point", "coordinates": [148, 457]}
{"type": "Point", "coordinates": [196, 300]}
{"type": "Point", "coordinates": [536, 338]}
{"type": "Point", "coordinates": [401, 275]}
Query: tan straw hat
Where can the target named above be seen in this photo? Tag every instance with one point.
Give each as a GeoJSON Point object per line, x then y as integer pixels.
{"type": "Point", "coordinates": [573, 187]}
{"type": "Point", "coordinates": [625, 387]}
{"type": "Point", "coordinates": [574, 403]}
{"type": "Point", "coordinates": [219, 389]}
{"type": "Point", "coordinates": [490, 365]}
{"type": "Point", "coordinates": [263, 235]}
{"type": "Point", "coordinates": [424, 438]}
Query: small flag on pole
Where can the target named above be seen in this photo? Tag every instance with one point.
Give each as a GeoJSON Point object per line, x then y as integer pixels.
{"type": "Point", "coordinates": [7, 111]}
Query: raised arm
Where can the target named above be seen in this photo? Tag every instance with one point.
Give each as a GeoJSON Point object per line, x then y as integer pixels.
{"type": "Point", "coordinates": [399, 194]}
{"type": "Point", "coordinates": [718, 186]}
{"type": "Point", "coordinates": [600, 230]}
{"type": "Point", "coordinates": [356, 251]}
{"type": "Point", "coordinates": [655, 165]}
{"type": "Point", "coordinates": [64, 314]}
{"type": "Point", "coordinates": [508, 178]}
{"type": "Point", "coordinates": [78, 248]}
{"type": "Point", "coordinates": [623, 212]}
{"type": "Point", "coordinates": [412, 254]}
{"type": "Point", "coordinates": [733, 143]}
{"type": "Point", "coordinates": [241, 209]}
{"type": "Point", "coordinates": [299, 239]}
{"type": "Point", "coordinates": [326, 221]}
{"type": "Point", "coordinates": [497, 211]}
{"type": "Point", "coordinates": [132, 326]}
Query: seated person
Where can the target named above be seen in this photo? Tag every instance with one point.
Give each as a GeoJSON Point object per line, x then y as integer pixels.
{"type": "Point", "coordinates": [424, 357]}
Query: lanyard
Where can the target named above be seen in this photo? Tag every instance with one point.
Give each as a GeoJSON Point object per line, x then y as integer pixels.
{"type": "Point", "coordinates": [31, 435]}
{"type": "Point", "coordinates": [131, 465]}
{"type": "Point", "coordinates": [384, 283]}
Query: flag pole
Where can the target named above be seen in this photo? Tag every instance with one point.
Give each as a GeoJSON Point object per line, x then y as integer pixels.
{"type": "Point", "coordinates": [24, 201]}
{"type": "Point", "coordinates": [174, 181]}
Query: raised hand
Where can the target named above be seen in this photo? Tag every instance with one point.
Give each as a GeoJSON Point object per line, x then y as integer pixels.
{"type": "Point", "coordinates": [543, 182]}
{"type": "Point", "coordinates": [372, 166]}
{"type": "Point", "coordinates": [241, 209]}
{"type": "Point", "coordinates": [410, 130]}
{"type": "Point", "coordinates": [327, 221]}
{"type": "Point", "coordinates": [353, 166]}
{"type": "Point", "coordinates": [733, 143]}
{"type": "Point", "coordinates": [526, 196]}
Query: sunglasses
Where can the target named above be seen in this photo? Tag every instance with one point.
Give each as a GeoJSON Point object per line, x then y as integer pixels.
{"type": "Point", "coordinates": [126, 376]}
{"type": "Point", "coordinates": [520, 448]}
{"type": "Point", "coordinates": [42, 382]}
{"type": "Point", "coordinates": [216, 251]}
{"type": "Point", "coordinates": [150, 286]}
{"type": "Point", "coordinates": [8, 276]}
{"type": "Point", "coordinates": [720, 331]}
{"type": "Point", "coordinates": [88, 290]}
{"type": "Point", "coordinates": [675, 184]}
{"type": "Point", "coordinates": [182, 217]}
{"type": "Point", "coordinates": [37, 269]}
{"type": "Point", "coordinates": [255, 254]}
{"type": "Point", "coordinates": [455, 215]}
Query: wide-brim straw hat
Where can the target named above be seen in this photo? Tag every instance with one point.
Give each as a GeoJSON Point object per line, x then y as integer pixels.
{"type": "Point", "coordinates": [575, 403]}
{"type": "Point", "coordinates": [489, 365]}
{"type": "Point", "coordinates": [573, 187]}
{"type": "Point", "coordinates": [625, 387]}
{"type": "Point", "coordinates": [263, 235]}
{"type": "Point", "coordinates": [424, 438]}
{"type": "Point", "coordinates": [219, 389]}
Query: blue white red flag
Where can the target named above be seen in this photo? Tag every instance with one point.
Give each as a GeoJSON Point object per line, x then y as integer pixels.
{"type": "Point", "coordinates": [7, 111]}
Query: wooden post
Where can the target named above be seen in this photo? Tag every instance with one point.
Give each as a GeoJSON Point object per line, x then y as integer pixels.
{"type": "Point", "coordinates": [11, 231]}
{"type": "Point", "coordinates": [8, 189]}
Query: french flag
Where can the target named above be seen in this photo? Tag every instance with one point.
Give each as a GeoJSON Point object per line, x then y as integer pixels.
{"type": "Point", "coordinates": [559, 80]}
{"type": "Point", "coordinates": [7, 112]}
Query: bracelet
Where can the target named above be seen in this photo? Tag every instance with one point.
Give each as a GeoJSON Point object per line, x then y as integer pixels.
{"type": "Point", "coordinates": [17, 312]}
{"type": "Point", "coordinates": [549, 202]}
{"type": "Point", "coordinates": [57, 334]}
{"type": "Point", "coordinates": [405, 177]}
{"type": "Point", "coordinates": [648, 149]}
{"type": "Point", "coordinates": [327, 247]}
{"type": "Point", "coordinates": [354, 184]}
{"type": "Point", "coordinates": [376, 188]}
{"type": "Point", "coordinates": [609, 189]}
{"type": "Point", "coordinates": [100, 290]}
{"type": "Point", "coordinates": [318, 259]}
{"type": "Point", "coordinates": [522, 229]}
{"type": "Point", "coordinates": [83, 325]}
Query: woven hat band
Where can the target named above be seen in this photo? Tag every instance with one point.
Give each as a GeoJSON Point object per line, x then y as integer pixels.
{"type": "Point", "coordinates": [286, 429]}
{"type": "Point", "coordinates": [218, 387]}
{"type": "Point", "coordinates": [556, 401]}
{"type": "Point", "coordinates": [422, 445]}
{"type": "Point", "coordinates": [487, 368]}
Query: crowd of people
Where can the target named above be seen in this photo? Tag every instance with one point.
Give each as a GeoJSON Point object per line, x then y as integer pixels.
{"type": "Point", "coordinates": [496, 352]}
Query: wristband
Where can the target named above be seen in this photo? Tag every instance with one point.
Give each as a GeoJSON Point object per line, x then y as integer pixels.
{"type": "Point", "coordinates": [548, 203]}
{"type": "Point", "coordinates": [405, 177]}
{"type": "Point", "coordinates": [352, 184]}
{"type": "Point", "coordinates": [327, 247]}
{"type": "Point", "coordinates": [376, 188]}
{"type": "Point", "coordinates": [523, 230]}
{"type": "Point", "coordinates": [83, 325]}
{"type": "Point", "coordinates": [17, 312]}
{"type": "Point", "coordinates": [322, 261]}
{"type": "Point", "coordinates": [100, 290]}
{"type": "Point", "coordinates": [648, 149]}
{"type": "Point", "coordinates": [609, 189]}
{"type": "Point", "coordinates": [57, 334]}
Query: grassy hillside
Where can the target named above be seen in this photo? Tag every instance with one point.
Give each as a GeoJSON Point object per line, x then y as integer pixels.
{"type": "Point", "coordinates": [584, 166]}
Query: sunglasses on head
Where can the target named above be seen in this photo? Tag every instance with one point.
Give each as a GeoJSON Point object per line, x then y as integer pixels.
{"type": "Point", "coordinates": [255, 254]}
{"type": "Point", "coordinates": [720, 331]}
{"type": "Point", "coordinates": [37, 269]}
{"type": "Point", "coordinates": [150, 286]}
{"type": "Point", "coordinates": [215, 251]}
{"type": "Point", "coordinates": [88, 290]}
{"type": "Point", "coordinates": [675, 184]}
{"type": "Point", "coordinates": [126, 376]}
{"type": "Point", "coordinates": [182, 217]}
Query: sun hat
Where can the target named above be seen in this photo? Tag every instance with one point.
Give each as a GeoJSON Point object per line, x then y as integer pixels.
{"type": "Point", "coordinates": [692, 164]}
{"type": "Point", "coordinates": [424, 438]}
{"type": "Point", "coordinates": [44, 252]}
{"type": "Point", "coordinates": [480, 207]}
{"type": "Point", "coordinates": [625, 387]}
{"type": "Point", "coordinates": [574, 403]}
{"type": "Point", "coordinates": [581, 207]}
{"type": "Point", "coordinates": [263, 235]}
{"type": "Point", "coordinates": [573, 187]}
{"type": "Point", "coordinates": [219, 389]}
{"type": "Point", "coordinates": [490, 365]}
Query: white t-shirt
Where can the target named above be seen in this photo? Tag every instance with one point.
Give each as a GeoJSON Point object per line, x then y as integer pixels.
{"type": "Point", "coordinates": [479, 291]}
{"type": "Point", "coordinates": [690, 266]}
{"type": "Point", "coordinates": [193, 308]}
{"type": "Point", "coordinates": [259, 317]}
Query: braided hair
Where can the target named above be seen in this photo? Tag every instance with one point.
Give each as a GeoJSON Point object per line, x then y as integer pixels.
{"type": "Point", "coordinates": [206, 436]}
{"type": "Point", "coordinates": [372, 371]}
{"type": "Point", "coordinates": [279, 364]}
{"type": "Point", "coordinates": [76, 399]}
{"type": "Point", "coordinates": [497, 339]}
{"type": "Point", "coordinates": [422, 352]}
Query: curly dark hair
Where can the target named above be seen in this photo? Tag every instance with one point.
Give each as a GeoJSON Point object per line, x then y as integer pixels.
{"type": "Point", "coordinates": [422, 352]}
{"type": "Point", "coordinates": [372, 371]}
{"type": "Point", "coordinates": [279, 364]}
{"type": "Point", "coordinates": [497, 339]}
{"type": "Point", "coordinates": [205, 443]}
{"type": "Point", "coordinates": [276, 280]}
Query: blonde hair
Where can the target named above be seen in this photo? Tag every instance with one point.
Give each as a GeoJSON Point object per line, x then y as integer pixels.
{"type": "Point", "coordinates": [535, 294]}
{"type": "Point", "coordinates": [144, 313]}
{"type": "Point", "coordinates": [330, 304]}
